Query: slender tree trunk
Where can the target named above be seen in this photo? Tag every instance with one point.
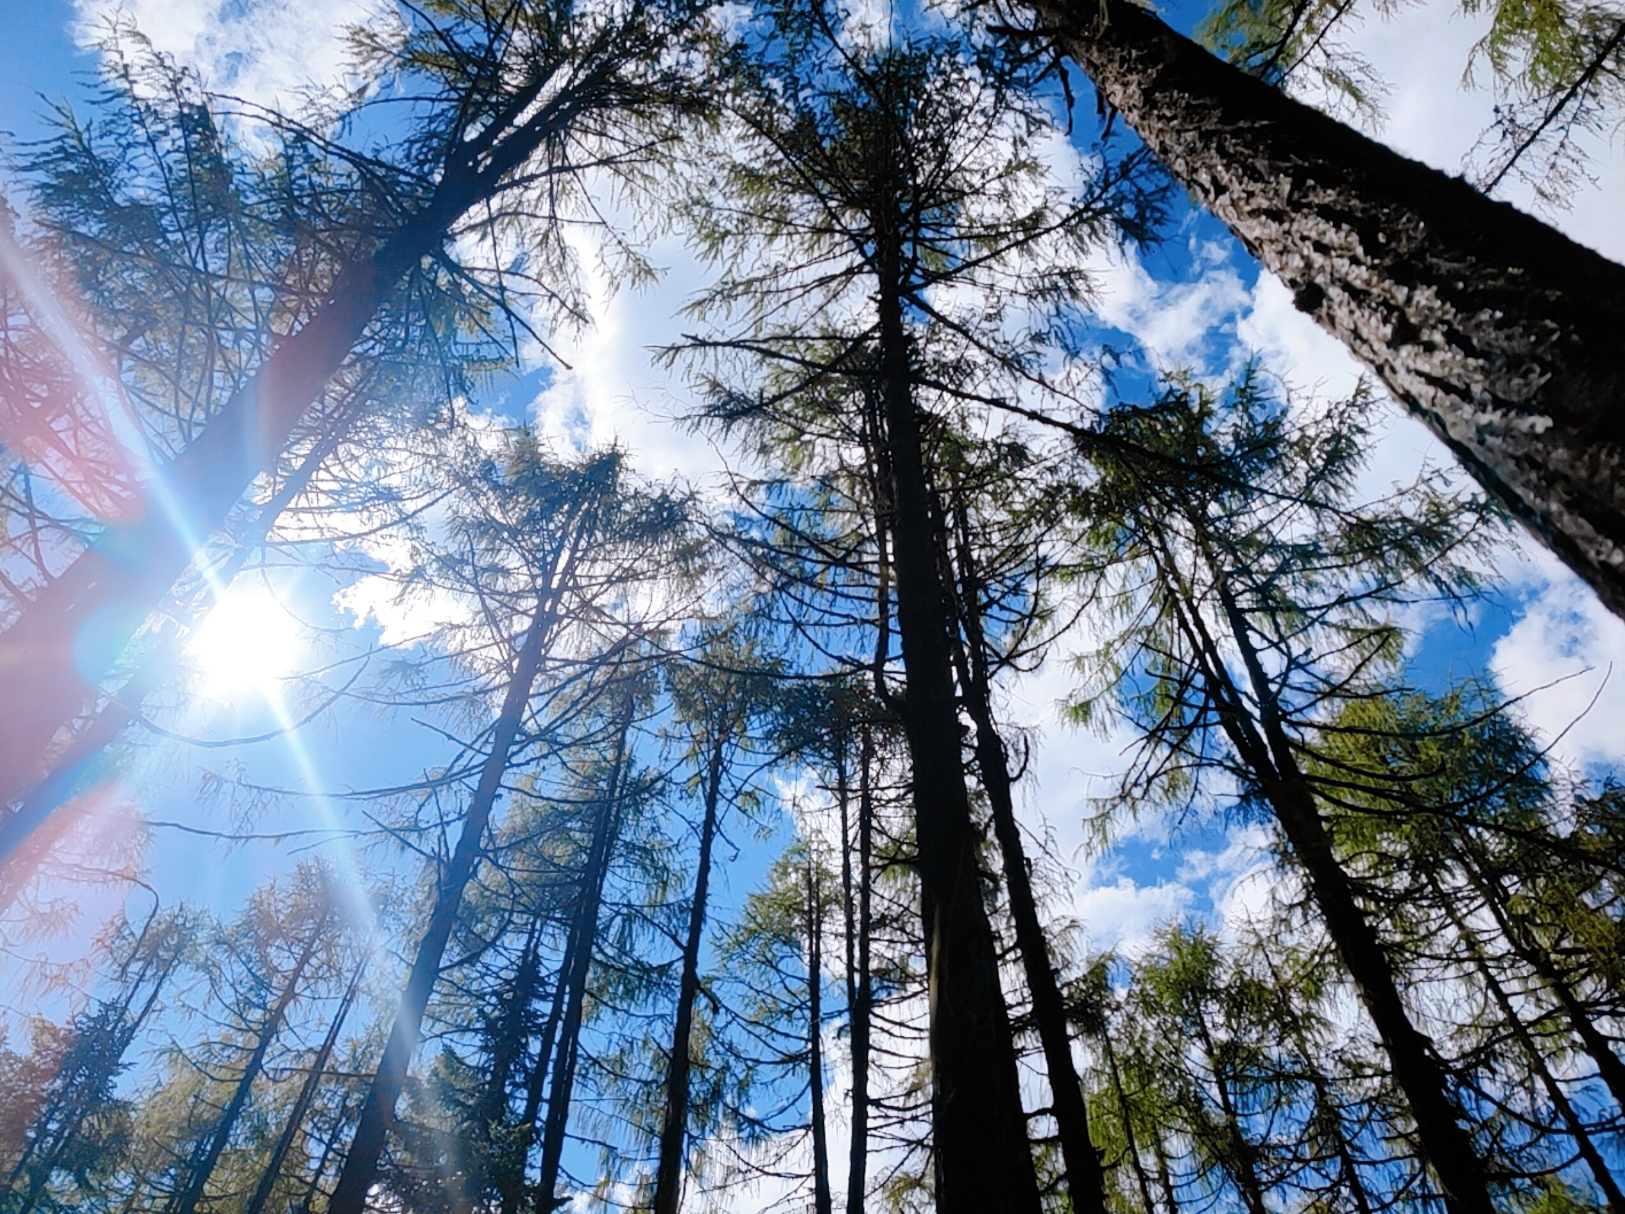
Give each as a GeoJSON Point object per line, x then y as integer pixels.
{"type": "Point", "coordinates": [1240, 1156]}
{"type": "Point", "coordinates": [1597, 1045]}
{"type": "Point", "coordinates": [107, 592]}
{"type": "Point", "coordinates": [1443, 1143]}
{"type": "Point", "coordinates": [1127, 1114]}
{"type": "Point", "coordinates": [307, 1094]}
{"type": "Point", "coordinates": [823, 1201]}
{"type": "Point", "coordinates": [668, 1193]}
{"type": "Point", "coordinates": [492, 1122]}
{"type": "Point", "coordinates": [1085, 1179]}
{"type": "Point", "coordinates": [204, 1169]}
{"type": "Point", "coordinates": [859, 988]}
{"type": "Point", "coordinates": [512, 1183]}
{"type": "Point", "coordinates": [378, 1111]}
{"type": "Point", "coordinates": [1561, 1104]}
{"type": "Point", "coordinates": [1501, 334]}
{"type": "Point", "coordinates": [573, 976]}
{"type": "Point", "coordinates": [983, 1160]}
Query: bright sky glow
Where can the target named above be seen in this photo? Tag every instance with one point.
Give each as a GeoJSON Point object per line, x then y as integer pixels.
{"type": "Point", "coordinates": [247, 645]}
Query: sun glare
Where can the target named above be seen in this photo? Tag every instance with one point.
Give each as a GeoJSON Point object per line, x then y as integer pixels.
{"type": "Point", "coordinates": [247, 644]}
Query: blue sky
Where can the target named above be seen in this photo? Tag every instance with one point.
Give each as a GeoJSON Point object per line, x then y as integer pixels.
{"type": "Point", "coordinates": [1197, 300]}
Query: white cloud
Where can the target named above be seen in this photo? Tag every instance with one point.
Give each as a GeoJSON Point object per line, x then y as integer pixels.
{"type": "Point", "coordinates": [263, 51]}
{"type": "Point", "coordinates": [1175, 320]}
{"type": "Point", "coordinates": [1124, 915]}
{"type": "Point", "coordinates": [1567, 655]}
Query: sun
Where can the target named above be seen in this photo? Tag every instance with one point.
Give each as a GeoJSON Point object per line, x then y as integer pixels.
{"type": "Point", "coordinates": [247, 644]}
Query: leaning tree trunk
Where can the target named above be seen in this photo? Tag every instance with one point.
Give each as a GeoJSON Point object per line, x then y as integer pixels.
{"type": "Point", "coordinates": [674, 1129]}
{"type": "Point", "coordinates": [378, 1111]}
{"type": "Point", "coordinates": [1264, 747]}
{"type": "Point", "coordinates": [307, 1094]}
{"type": "Point", "coordinates": [1499, 332]}
{"type": "Point", "coordinates": [570, 994]}
{"type": "Point", "coordinates": [251, 1073]}
{"type": "Point", "coordinates": [21, 847]}
{"type": "Point", "coordinates": [982, 1155]}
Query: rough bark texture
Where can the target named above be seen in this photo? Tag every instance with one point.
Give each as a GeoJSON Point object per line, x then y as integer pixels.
{"type": "Point", "coordinates": [1500, 333]}
{"type": "Point", "coordinates": [983, 1160]}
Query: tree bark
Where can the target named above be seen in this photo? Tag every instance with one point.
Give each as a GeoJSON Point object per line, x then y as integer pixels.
{"type": "Point", "coordinates": [307, 1094]}
{"type": "Point", "coordinates": [668, 1193]}
{"type": "Point", "coordinates": [983, 1160]}
{"type": "Point", "coordinates": [859, 990]}
{"type": "Point", "coordinates": [1499, 333]}
{"type": "Point", "coordinates": [823, 1202]}
{"type": "Point", "coordinates": [1085, 1179]}
{"type": "Point", "coordinates": [573, 977]}
{"type": "Point", "coordinates": [1266, 750]}
{"type": "Point", "coordinates": [1575, 1125]}
{"type": "Point", "coordinates": [378, 1111]}
{"type": "Point", "coordinates": [204, 1169]}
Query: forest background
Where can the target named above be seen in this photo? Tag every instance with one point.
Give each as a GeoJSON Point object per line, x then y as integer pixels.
{"type": "Point", "coordinates": [1194, 301]}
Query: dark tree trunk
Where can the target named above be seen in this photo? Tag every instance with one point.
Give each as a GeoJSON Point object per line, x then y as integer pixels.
{"type": "Point", "coordinates": [983, 1160]}
{"type": "Point", "coordinates": [205, 1166]}
{"type": "Point", "coordinates": [1500, 333]}
{"type": "Point", "coordinates": [668, 1193]}
{"type": "Point", "coordinates": [859, 990]}
{"type": "Point", "coordinates": [1267, 751]}
{"type": "Point", "coordinates": [1573, 1123]}
{"type": "Point", "coordinates": [1239, 1156]}
{"type": "Point", "coordinates": [1131, 1147]}
{"type": "Point", "coordinates": [1598, 1046]}
{"type": "Point", "coordinates": [1085, 1179]}
{"type": "Point", "coordinates": [378, 1112]}
{"type": "Point", "coordinates": [573, 976]}
{"type": "Point", "coordinates": [307, 1094]}
{"type": "Point", "coordinates": [823, 1201]}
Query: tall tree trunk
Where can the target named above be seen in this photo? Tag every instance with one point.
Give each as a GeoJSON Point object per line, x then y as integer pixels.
{"type": "Point", "coordinates": [983, 1160]}
{"type": "Point", "coordinates": [500, 1156]}
{"type": "Point", "coordinates": [1597, 1044]}
{"type": "Point", "coordinates": [1131, 1147]}
{"type": "Point", "coordinates": [378, 1111]}
{"type": "Point", "coordinates": [823, 1202]}
{"type": "Point", "coordinates": [573, 974]}
{"type": "Point", "coordinates": [1266, 750]}
{"type": "Point", "coordinates": [859, 989]}
{"type": "Point", "coordinates": [1500, 333]}
{"type": "Point", "coordinates": [1239, 1158]}
{"type": "Point", "coordinates": [1085, 1179]}
{"type": "Point", "coordinates": [107, 592]}
{"type": "Point", "coordinates": [1573, 1123]}
{"type": "Point", "coordinates": [668, 1193]}
{"type": "Point", "coordinates": [204, 1169]}
{"type": "Point", "coordinates": [307, 1094]}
